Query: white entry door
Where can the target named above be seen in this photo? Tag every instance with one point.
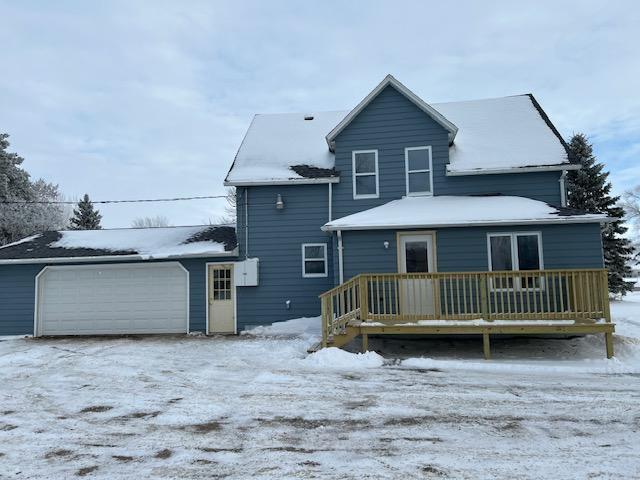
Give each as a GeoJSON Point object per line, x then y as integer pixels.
{"type": "Point", "coordinates": [221, 299]}
{"type": "Point", "coordinates": [416, 256]}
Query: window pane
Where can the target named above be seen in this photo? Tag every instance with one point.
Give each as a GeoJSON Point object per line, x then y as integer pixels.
{"type": "Point", "coordinates": [313, 266]}
{"type": "Point", "coordinates": [417, 259]}
{"type": "Point", "coordinates": [366, 162]}
{"type": "Point", "coordinates": [418, 159]}
{"type": "Point", "coordinates": [528, 252]}
{"type": "Point", "coordinates": [366, 185]}
{"type": "Point", "coordinates": [419, 182]}
{"type": "Point", "coordinates": [501, 253]}
{"type": "Point", "coordinates": [314, 252]}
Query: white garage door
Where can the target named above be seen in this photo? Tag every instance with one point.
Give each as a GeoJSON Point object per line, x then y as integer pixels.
{"type": "Point", "coordinates": [112, 299]}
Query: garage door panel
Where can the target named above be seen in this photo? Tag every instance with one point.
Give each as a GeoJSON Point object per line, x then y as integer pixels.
{"type": "Point", "coordinates": [113, 299]}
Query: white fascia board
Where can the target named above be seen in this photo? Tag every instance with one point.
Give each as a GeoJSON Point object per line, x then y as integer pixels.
{"type": "Point", "coordinates": [493, 171]}
{"type": "Point", "coordinates": [112, 258]}
{"type": "Point", "coordinates": [560, 220]}
{"type": "Point", "coordinates": [412, 97]}
{"type": "Point", "coordinates": [290, 181]}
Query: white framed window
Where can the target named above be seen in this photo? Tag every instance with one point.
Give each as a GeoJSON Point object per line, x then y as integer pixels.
{"type": "Point", "coordinates": [515, 251]}
{"type": "Point", "coordinates": [365, 174]}
{"type": "Point", "coordinates": [418, 170]}
{"type": "Point", "coordinates": [314, 260]}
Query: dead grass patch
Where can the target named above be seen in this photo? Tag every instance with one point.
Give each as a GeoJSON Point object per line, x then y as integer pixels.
{"type": "Point", "coordinates": [206, 427]}
{"type": "Point", "coordinates": [163, 454]}
{"type": "Point", "coordinates": [96, 409]}
{"type": "Point", "coordinates": [62, 452]}
{"type": "Point", "coordinates": [218, 450]}
{"type": "Point", "coordinates": [123, 458]}
{"type": "Point", "coordinates": [86, 470]}
{"type": "Point", "coordinates": [7, 427]}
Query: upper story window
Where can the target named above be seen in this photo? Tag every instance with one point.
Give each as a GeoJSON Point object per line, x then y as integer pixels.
{"type": "Point", "coordinates": [418, 168]}
{"type": "Point", "coordinates": [314, 260]}
{"type": "Point", "coordinates": [365, 174]}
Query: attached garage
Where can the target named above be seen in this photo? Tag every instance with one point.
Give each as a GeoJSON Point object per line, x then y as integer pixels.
{"type": "Point", "coordinates": [120, 281]}
{"type": "Point", "coordinates": [112, 299]}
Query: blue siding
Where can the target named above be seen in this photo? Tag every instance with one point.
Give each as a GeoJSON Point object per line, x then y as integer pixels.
{"type": "Point", "coordinates": [17, 298]}
{"type": "Point", "coordinates": [465, 249]}
{"type": "Point", "coordinates": [17, 294]}
{"type": "Point", "coordinates": [275, 237]}
{"type": "Point", "coordinates": [389, 124]}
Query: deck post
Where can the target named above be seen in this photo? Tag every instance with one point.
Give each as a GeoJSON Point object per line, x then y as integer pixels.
{"type": "Point", "coordinates": [486, 346]}
{"type": "Point", "coordinates": [364, 298]}
{"type": "Point", "coordinates": [365, 342]}
{"type": "Point", "coordinates": [484, 300]}
{"type": "Point", "coordinates": [608, 340]}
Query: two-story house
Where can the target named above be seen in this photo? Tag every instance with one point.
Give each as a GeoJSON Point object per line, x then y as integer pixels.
{"type": "Point", "coordinates": [398, 216]}
{"type": "Point", "coordinates": [397, 185]}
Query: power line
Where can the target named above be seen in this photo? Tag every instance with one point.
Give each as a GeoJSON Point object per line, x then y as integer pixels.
{"type": "Point", "coordinates": [144, 200]}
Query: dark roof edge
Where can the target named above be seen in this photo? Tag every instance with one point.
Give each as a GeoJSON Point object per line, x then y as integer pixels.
{"type": "Point", "coordinates": [553, 128]}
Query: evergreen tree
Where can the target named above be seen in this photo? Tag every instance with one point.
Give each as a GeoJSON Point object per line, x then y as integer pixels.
{"type": "Point", "coordinates": [590, 190]}
{"type": "Point", "coordinates": [85, 217]}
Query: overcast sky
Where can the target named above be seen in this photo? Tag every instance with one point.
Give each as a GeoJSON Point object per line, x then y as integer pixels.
{"type": "Point", "coordinates": [147, 99]}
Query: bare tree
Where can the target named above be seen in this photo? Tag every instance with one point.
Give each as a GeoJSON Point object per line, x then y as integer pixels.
{"type": "Point", "coordinates": [149, 222]}
{"type": "Point", "coordinates": [631, 203]}
{"type": "Point", "coordinates": [229, 216]}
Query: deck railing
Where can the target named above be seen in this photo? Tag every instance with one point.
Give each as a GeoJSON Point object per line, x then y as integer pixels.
{"type": "Point", "coordinates": [396, 298]}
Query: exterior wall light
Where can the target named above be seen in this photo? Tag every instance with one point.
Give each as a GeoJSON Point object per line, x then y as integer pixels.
{"type": "Point", "coordinates": [386, 244]}
{"type": "Point", "coordinates": [279, 202]}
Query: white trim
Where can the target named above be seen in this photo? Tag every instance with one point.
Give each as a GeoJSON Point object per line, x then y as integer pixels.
{"type": "Point", "coordinates": [111, 258]}
{"type": "Point", "coordinates": [206, 296]}
{"type": "Point", "coordinates": [561, 220]}
{"type": "Point", "coordinates": [412, 97]}
{"type": "Point", "coordinates": [563, 189]}
{"type": "Point", "coordinates": [304, 259]}
{"type": "Point", "coordinates": [515, 258]}
{"type": "Point", "coordinates": [36, 332]}
{"type": "Point", "coordinates": [289, 181]}
{"type": "Point", "coordinates": [407, 172]}
{"type": "Point", "coordinates": [368, 174]}
{"type": "Point", "coordinates": [494, 171]}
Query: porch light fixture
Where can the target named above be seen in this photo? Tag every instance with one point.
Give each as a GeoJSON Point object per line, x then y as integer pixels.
{"type": "Point", "coordinates": [386, 244]}
{"type": "Point", "coordinates": [279, 202]}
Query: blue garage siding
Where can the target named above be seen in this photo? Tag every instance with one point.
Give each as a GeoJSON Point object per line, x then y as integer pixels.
{"type": "Point", "coordinates": [17, 294]}
{"type": "Point", "coordinates": [465, 249]}
{"type": "Point", "coordinates": [276, 237]}
{"type": "Point", "coordinates": [389, 124]}
{"type": "Point", "coordinates": [17, 298]}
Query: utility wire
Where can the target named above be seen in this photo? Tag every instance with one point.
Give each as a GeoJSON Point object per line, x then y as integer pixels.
{"type": "Point", "coordinates": [55, 202]}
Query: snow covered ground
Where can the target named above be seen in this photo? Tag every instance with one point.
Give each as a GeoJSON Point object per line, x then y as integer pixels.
{"type": "Point", "coordinates": [257, 405]}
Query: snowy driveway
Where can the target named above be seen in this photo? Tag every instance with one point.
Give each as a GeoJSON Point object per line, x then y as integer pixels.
{"type": "Point", "coordinates": [258, 406]}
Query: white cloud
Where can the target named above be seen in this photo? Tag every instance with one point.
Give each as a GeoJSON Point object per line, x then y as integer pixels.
{"type": "Point", "coordinates": [151, 99]}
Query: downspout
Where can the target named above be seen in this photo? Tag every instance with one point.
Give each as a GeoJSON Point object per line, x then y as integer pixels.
{"type": "Point", "coordinates": [340, 264]}
{"type": "Point", "coordinates": [246, 223]}
{"type": "Point", "coordinates": [330, 201]}
{"type": "Point", "coordinates": [563, 189]}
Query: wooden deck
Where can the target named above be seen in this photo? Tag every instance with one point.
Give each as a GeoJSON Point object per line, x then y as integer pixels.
{"type": "Point", "coordinates": [534, 302]}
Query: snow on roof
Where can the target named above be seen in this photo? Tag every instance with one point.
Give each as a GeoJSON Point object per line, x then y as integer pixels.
{"type": "Point", "coordinates": [459, 211]}
{"type": "Point", "coordinates": [493, 135]}
{"type": "Point", "coordinates": [275, 143]}
{"type": "Point", "coordinates": [143, 243]}
{"type": "Point", "coordinates": [501, 133]}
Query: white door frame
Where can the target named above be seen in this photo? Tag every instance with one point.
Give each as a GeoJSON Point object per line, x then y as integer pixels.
{"type": "Point", "coordinates": [401, 253]}
{"type": "Point", "coordinates": [233, 289]}
{"type": "Point", "coordinates": [425, 304]}
{"type": "Point", "coordinates": [36, 324]}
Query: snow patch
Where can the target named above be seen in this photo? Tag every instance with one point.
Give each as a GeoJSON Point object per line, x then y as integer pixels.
{"type": "Point", "coordinates": [337, 359]}
{"type": "Point", "coordinates": [146, 242]}
{"type": "Point", "coordinates": [455, 210]}
{"type": "Point", "coordinates": [297, 327]}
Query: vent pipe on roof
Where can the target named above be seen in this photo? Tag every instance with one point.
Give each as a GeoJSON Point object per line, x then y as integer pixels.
{"type": "Point", "coordinates": [308, 117]}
